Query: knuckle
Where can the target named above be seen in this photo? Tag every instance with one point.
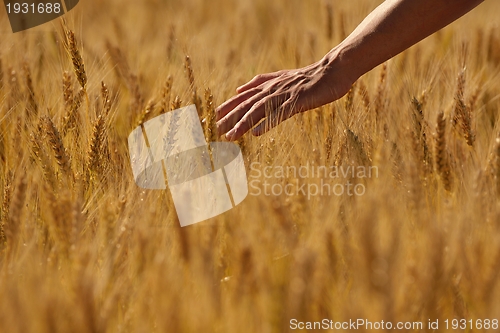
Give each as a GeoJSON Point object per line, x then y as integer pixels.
{"type": "Point", "coordinates": [221, 124]}
{"type": "Point", "coordinates": [273, 87]}
{"type": "Point", "coordinates": [300, 77]}
{"type": "Point", "coordinates": [246, 121]}
{"type": "Point", "coordinates": [238, 128]}
{"type": "Point", "coordinates": [258, 77]}
{"type": "Point", "coordinates": [256, 90]}
{"type": "Point", "coordinates": [261, 104]}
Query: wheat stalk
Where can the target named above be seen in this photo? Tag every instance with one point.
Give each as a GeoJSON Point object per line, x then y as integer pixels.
{"type": "Point", "coordinates": [442, 161]}
{"type": "Point", "coordinates": [106, 107]}
{"type": "Point", "coordinates": [5, 208]}
{"type": "Point", "coordinates": [328, 129]}
{"type": "Point", "coordinates": [15, 210]}
{"type": "Point", "coordinates": [57, 145]}
{"type": "Point", "coordinates": [144, 115]}
{"type": "Point", "coordinates": [71, 118]}
{"type": "Point", "coordinates": [169, 140]}
{"type": "Point", "coordinates": [349, 101]}
{"type": "Point", "coordinates": [355, 146]}
{"type": "Point", "coordinates": [32, 108]}
{"type": "Point", "coordinates": [466, 118]}
{"type": "Point", "coordinates": [473, 99]}
{"type": "Point", "coordinates": [137, 101]}
{"type": "Point", "coordinates": [365, 96]}
{"type": "Point", "coordinates": [379, 99]}
{"type": "Point", "coordinates": [40, 154]}
{"type": "Point", "coordinates": [195, 99]}
{"type": "Point", "coordinates": [14, 88]}
{"type": "Point", "coordinates": [420, 134]}
{"type": "Point", "coordinates": [165, 95]}
{"type": "Point", "coordinates": [176, 103]}
{"type": "Point", "coordinates": [36, 148]}
{"type": "Point", "coordinates": [209, 119]}
{"type": "Point", "coordinates": [71, 47]}
{"type": "Point", "coordinates": [97, 146]}
{"type": "Point", "coordinates": [67, 91]}
{"type": "Point", "coordinates": [462, 113]}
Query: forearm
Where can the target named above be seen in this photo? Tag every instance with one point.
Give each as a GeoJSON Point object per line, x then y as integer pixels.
{"type": "Point", "coordinates": [394, 26]}
{"type": "Point", "coordinates": [391, 28]}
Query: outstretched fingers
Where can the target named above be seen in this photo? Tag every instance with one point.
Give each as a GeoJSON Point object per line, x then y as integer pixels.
{"type": "Point", "coordinates": [246, 110]}
{"type": "Point", "coordinates": [244, 123]}
{"type": "Point", "coordinates": [234, 102]}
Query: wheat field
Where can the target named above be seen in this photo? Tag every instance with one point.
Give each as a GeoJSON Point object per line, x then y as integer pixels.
{"type": "Point", "coordinates": [83, 249]}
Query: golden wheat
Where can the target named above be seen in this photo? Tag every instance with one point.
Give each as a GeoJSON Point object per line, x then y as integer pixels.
{"type": "Point", "coordinates": [83, 248]}
{"type": "Point", "coordinates": [442, 160]}
{"type": "Point", "coordinates": [57, 146]}
{"type": "Point", "coordinates": [76, 58]}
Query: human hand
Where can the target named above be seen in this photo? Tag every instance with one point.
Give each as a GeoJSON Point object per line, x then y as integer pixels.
{"type": "Point", "coordinates": [275, 97]}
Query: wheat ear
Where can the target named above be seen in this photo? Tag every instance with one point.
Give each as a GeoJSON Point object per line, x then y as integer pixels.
{"type": "Point", "coordinates": [442, 162]}
{"type": "Point", "coordinates": [176, 103]}
{"type": "Point", "coordinates": [97, 145]}
{"type": "Point", "coordinates": [209, 119]}
{"type": "Point", "coordinates": [106, 102]}
{"type": "Point", "coordinates": [195, 99]}
{"type": "Point", "coordinates": [33, 108]}
{"type": "Point", "coordinates": [165, 95]}
{"type": "Point", "coordinates": [71, 118]}
{"type": "Point", "coordinates": [67, 91]}
{"type": "Point", "coordinates": [57, 146]}
{"type": "Point", "coordinates": [5, 208]}
{"type": "Point", "coordinates": [379, 99]}
{"type": "Point", "coordinates": [71, 47]}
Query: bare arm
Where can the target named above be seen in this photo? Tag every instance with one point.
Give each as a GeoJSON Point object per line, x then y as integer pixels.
{"type": "Point", "coordinates": [391, 28]}
{"type": "Point", "coordinates": [394, 26]}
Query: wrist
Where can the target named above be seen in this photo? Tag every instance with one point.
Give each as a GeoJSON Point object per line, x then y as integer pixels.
{"type": "Point", "coordinates": [341, 61]}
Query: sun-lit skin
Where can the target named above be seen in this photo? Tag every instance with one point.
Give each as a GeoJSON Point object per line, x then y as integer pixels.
{"type": "Point", "coordinates": [391, 28]}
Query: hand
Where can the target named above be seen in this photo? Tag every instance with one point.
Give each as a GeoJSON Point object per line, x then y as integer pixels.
{"type": "Point", "coordinates": [278, 96]}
